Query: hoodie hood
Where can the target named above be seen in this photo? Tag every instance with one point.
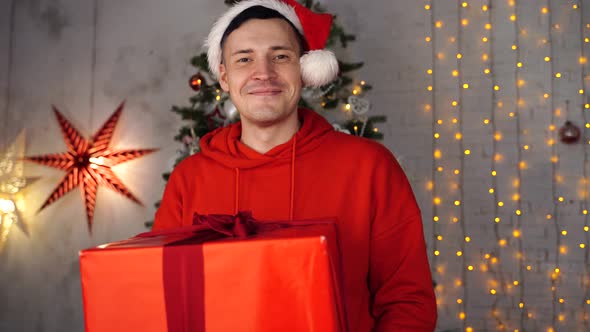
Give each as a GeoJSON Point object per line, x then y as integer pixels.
{"type": "Point", "coordinates": [224, 146]}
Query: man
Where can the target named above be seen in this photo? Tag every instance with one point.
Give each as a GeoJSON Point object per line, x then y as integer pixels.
{"type": "Point", "coordinates": [285, 163]}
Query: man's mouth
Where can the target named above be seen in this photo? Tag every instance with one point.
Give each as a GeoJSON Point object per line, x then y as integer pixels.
{"type": "Point", "coordinates": [265, 92]}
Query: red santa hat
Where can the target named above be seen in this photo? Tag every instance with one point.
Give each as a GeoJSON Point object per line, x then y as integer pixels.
{"type": "Point", "coordinates": [318, 65]}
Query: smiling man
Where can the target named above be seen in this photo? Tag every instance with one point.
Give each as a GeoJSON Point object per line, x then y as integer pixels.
{"type": "Point", "coordinates": [285, 163]}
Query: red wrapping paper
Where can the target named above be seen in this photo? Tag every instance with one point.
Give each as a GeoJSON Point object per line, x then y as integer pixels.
{"type": "Point", "coordinates": [284, 279]}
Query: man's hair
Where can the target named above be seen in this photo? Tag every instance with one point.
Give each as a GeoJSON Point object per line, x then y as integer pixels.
{"type": "Point", "coordinates": [261, 13]}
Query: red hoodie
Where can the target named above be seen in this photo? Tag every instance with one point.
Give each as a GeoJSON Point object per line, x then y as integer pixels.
{"type": "Point", "coordinates": [321, 173]}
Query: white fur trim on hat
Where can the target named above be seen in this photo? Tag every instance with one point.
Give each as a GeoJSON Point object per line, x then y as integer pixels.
{"type": "Point", "coordinates": [318, 68]}
{"type": "Point", "coordinates": [213, 42]}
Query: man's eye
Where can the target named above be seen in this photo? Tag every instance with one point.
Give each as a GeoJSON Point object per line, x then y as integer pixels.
{"type": "Point", "coordinates": [243, 60]}
{"type": "Point", "coordinates": [282, 57]}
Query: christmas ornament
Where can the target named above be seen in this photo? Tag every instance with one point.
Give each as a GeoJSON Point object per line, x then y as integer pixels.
{"type": "Point", "coordinates": [215, 117]}
{"type": "Point", "coordinates": [569, 133]}
{"type": "Point", "coordinates": [358, 105]}
{"type": "Point", "coordinates": [196, 81]}
{"type": "Point", "coordinates": [88, 163]}
{"type": "Point", "coordinates": [339, 128]}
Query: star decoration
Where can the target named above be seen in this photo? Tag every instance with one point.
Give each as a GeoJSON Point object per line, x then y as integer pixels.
{"type": "Point", "coordinates": [12, 182]}
{"type": "Point", "coordinates": [88, 163]}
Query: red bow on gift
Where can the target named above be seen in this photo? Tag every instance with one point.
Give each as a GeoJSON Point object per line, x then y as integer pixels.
{"type": "Point", "coordinates": [241, 225]}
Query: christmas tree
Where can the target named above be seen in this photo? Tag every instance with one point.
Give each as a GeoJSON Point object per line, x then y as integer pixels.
{"type": "Point", "coordinates": [342, 102]}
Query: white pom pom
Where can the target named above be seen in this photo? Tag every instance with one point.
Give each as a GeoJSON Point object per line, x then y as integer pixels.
{"type": "Point", "coordinates": [318, 68]}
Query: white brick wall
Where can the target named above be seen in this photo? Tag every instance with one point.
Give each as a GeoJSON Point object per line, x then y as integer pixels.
{"type": "Point", "coordinates": [142, 52]}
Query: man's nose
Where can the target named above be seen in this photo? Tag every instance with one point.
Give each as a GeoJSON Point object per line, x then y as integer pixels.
{"type": "Point", "coordinates": [264, 70]}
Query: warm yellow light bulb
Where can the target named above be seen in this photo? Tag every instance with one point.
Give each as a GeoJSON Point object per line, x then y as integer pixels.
{"type": "Point", "coordinates": [454, 120]}
{"type": "Point", "coordinates": [484, 39]}
{"type": "Point", "coordinates": [486, 71]}
{"type": "Point", "coordinates": [488, 26]}
{"type": "Point", "coordinates": [496, 87]}
{"type": "Point", "coordinates": [461, 315]}
{"type": "Point", "coordinates": [491, 190]}
{"type": "Point", "coordinates": [436, 135]}
{"type": "Point", "coordinates": [582, 246]}
{"type": "Point", "coordinates": [467, 152]}
{"type": "Point", "coordinates": [484, 8]}
{"type": "Point", "coordinates": [493, 291]}
{"type": "Point", "coordinates": [440, 238]}
{"type": "Point", "coordinates": [558, 75]}
{"type": "Point", "coordinates": [459, 55]}
{"type": "Point", "coordinates": [500, 203]}
{"type": "Point", "coordinates": [519, 64]}
{"type": "Point", "coordinates": [582, 60]}
{"type": "Point", "coordinates": [465, 22]}
{"type": "Point", "coordinates": [437, 154]}
{"type": "Point", "coordinates": [470, 267]}
{"type": "Point", "coordinates": [486, 121]}
{"type": "Point", "coordinates": [439, 121]}
{"type": "Point", "coordinates": [586, 40]}
{"type": "Point", "coordinates": [516, 233]}
{"type": "Point", "coordinates": [547, 59]}
{"type": "Point", "coordinates": [586, 228]}
{"type": "Point", "coordinates": [456, 172]}
{"type": "Point", "coordinates": [464, 4]}
{"type": "Point", "coordinates": [455, 73]}
{"type": "Point", "coordinates": [561, 199]}
{"type": "Point", "coordinates": [459, 253]}
{"type": "Point", "coordinates": [347, 107]}
{"type": "Point", "coordinates": [427, 39]}
{"type": "Point", "coordinates": [485, 57]}
{"type": "Point", "coordinates": [518, 212]}
{"type": "Point", "coordinates": [465, 86]}
{"type": "Point", "coordinates": [438, 24]}
{"type": "Point", "coordinates": [545, 95]}
{"type": "Point", "coordinates": [429, 72]}
{"type": "Point", "coordinates": [544, 10]}
{"type": "Point", "coordinates": [427, 7]}
{"type": "Point", "coordinates": [494, 173]}
{"type": "Point", "coordinates": [436, 218]}
{"type": "Point", "coordinates": [454, 103]}
{"type": "Point", "coordinates": [564, 232]}
{"type": "Point", "coordinates": [513, 18]}
{"type": "Point", "coordinates": [429, 88]}
{"type": "Point", "coordinates": [526, 147]}
{"type": "Point", "coordinates": [436, 253]}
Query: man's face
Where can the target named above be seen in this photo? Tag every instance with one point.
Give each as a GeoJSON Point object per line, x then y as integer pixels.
{"type": "Point", "coordinates": [261, 71]}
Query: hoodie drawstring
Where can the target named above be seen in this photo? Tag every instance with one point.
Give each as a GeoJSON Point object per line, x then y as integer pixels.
{"type": "Point", "coordinates": [292, 178]}
{"type": "Point", "coordinates": [237, 191]}
{"type": "Point", "coordinates": [292, 194]}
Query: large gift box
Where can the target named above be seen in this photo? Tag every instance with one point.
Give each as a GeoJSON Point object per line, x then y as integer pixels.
{"type": "Point", "coordinates": [215, 277]}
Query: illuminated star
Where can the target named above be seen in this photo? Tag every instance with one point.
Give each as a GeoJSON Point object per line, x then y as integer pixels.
{"type": "Point", "coordinates": [88, 163]}
{"type": "Point", "coordinates": [12, 182]}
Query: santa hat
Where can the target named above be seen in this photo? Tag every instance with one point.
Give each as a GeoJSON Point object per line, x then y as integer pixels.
{"type": "Point", "coordinates": [318, 65]}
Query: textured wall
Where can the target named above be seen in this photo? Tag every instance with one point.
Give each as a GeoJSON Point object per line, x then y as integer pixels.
{"type": "Point", "coordinates": [85, 57]}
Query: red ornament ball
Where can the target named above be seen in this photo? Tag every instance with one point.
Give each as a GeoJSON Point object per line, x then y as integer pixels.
{"type": "Point", "coordinates": [569, 133]}
{"type": "Point", "coordinates": [196, 81]}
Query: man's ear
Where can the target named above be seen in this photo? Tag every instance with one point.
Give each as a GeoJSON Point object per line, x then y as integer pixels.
{"type": "Point", "coordinates": [223, 78]}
